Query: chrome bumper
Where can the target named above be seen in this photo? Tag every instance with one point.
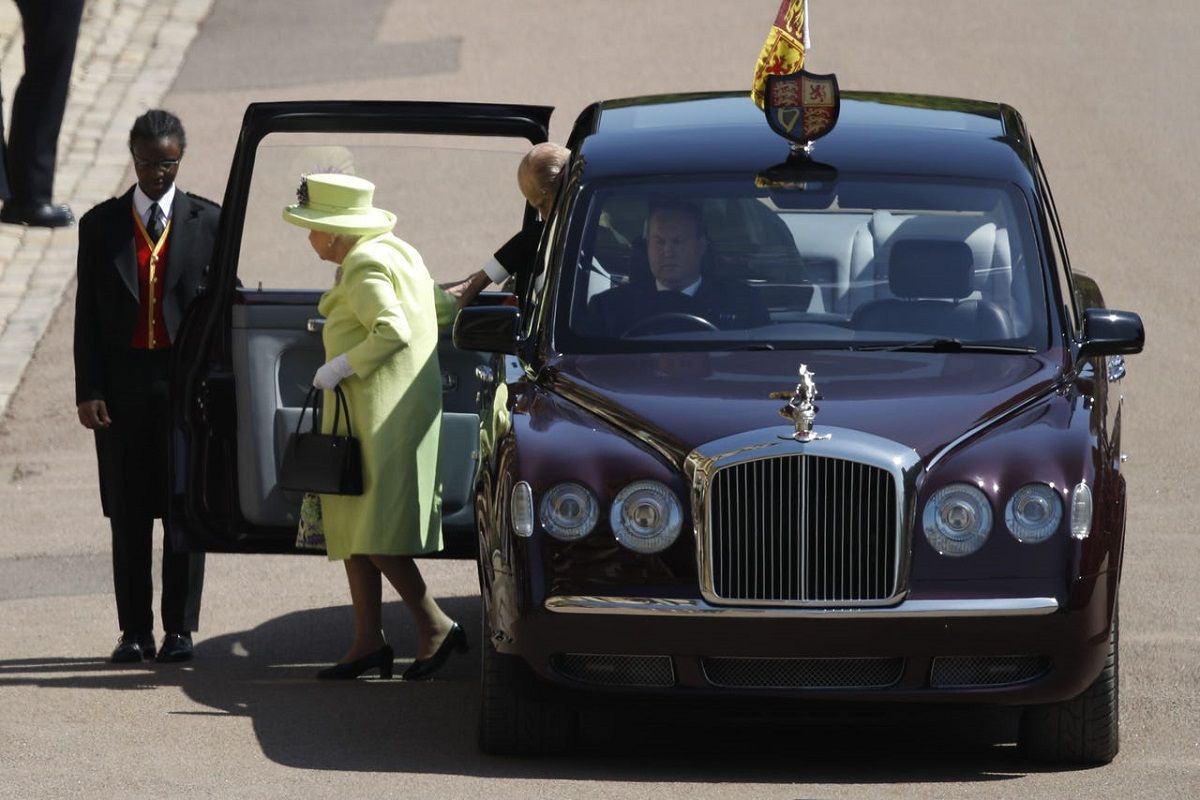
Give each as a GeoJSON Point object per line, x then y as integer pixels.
{"type": "Point", "coordinates": [908, 609]}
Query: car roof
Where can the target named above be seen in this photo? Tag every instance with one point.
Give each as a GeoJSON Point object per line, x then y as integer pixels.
{"type": "Point", "coordinates": [876, 133]}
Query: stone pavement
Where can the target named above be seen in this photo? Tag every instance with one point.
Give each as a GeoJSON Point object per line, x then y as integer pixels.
{"type": "Point", "coordinates": [127, 57]}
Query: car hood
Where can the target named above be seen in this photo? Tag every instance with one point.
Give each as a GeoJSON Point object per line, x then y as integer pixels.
{"type": "Point", "coordinates": [683, 400]}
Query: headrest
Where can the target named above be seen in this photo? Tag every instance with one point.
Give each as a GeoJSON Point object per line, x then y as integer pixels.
{"type": "Point", "coordinates": [930, 268]}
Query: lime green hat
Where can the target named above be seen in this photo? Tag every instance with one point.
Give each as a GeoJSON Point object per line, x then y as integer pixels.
{"type": "Point", "coordinates": [340, 204]}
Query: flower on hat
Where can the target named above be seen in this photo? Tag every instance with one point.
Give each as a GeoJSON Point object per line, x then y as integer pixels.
{"type": "Point", "coordinates": [335, 202]}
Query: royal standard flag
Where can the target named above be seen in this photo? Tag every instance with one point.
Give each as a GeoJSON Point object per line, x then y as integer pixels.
{"type": "Point", "coordinates": [783, 52]}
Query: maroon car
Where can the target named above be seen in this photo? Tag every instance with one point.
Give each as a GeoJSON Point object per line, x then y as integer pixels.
{"type": "Point", "coordinates": [872, 455]}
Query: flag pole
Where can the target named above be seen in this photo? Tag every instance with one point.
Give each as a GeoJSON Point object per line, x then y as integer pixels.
{"type": "Point", "coordinates": [807, 39]}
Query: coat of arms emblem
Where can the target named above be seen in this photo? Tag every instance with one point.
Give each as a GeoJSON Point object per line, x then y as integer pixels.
{"type": "Point", "coordinates": [802, 106]}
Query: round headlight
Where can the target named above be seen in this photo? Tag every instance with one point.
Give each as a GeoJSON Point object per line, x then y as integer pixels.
{"type": "Point", "coordinates": [646, 517]}
{"type": "Point", "coordinates": [1033, 513]}
{"type": "Point", "coordinates": [569, 511]}
{"type": "Point", "coordinates": [957, 519]}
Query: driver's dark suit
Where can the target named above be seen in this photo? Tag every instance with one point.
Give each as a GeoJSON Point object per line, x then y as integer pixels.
{"type": "Point", "coordinates": [725, 304]}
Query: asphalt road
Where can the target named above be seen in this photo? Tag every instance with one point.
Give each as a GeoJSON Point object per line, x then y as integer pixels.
{"type": "Point", "coordinates": [1108, 90]}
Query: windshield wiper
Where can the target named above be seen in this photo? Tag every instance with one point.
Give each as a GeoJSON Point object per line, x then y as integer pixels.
{"type": "Point", "coordinates": [942, 345]}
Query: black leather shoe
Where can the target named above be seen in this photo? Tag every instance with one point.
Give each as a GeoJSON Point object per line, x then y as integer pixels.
{"type": "Point", "coordinates": [381, 658]}
{"type": "Point", "coordinates": [39, 215]}
{"type": "Point", "coordinates": [132, 648]}
{"type": "Point", "coordinates": [175, 647]}
{"type": "Point", "coordinates": [422, 668]}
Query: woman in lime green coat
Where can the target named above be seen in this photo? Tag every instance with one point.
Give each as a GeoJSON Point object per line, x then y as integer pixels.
{"type": "Point", "coordinates": [381, 333]}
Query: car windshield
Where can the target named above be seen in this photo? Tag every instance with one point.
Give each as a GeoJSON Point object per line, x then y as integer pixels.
{"type": "Point", "coordinates": [844, 263]}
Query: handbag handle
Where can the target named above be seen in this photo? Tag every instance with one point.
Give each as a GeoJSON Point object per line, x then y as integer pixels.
{"type": "Point", "coordinates": [340, 403]}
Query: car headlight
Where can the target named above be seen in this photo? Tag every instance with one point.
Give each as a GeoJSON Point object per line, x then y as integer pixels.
{"type": "Point", "coordinates": [521, 509]}
{"type": "Point", "coordinates": [957, 519]}
{"type": "Point", "coordinates": [646, 517]}
{"type": "Point", "coordinates": [1033, 513]}
{"type": "Point", "coordinates": [1081, 511]}
{"type": "Point", "coordinates": [569, 511]}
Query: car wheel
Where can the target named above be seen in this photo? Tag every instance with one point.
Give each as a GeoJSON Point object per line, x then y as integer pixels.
{"type": "Point", "coordinates": [1084, 729]}
{"type": "Point", "coordinates": [513, 720]}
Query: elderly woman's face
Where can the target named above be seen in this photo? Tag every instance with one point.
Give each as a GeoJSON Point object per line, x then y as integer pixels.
{"type": "Point", "coordinates": [322, 244]}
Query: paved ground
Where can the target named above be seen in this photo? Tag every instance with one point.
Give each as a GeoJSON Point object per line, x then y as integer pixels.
{"type": "Point", "coordinates": [1106, 88]}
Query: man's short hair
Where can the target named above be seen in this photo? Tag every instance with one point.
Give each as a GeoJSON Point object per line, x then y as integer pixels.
{"type": "Point", "coordinates": [157, 124]}
{"type": "Point", "coordinates": [687, 209]}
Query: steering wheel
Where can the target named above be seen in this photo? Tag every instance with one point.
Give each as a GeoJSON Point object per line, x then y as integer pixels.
{"type": "Point", "coordinates": [662, 323]}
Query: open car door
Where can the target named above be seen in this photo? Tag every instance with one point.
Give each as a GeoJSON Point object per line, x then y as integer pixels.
{"type": "Point", "coordinates": [248, 347]}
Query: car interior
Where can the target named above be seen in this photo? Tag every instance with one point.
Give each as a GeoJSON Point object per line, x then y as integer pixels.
{"type": "Point", "coordinates": [855, 274]}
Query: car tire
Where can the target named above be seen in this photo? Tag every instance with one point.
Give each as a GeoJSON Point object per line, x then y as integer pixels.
{"type": "Point", "coordinates": [1084, 729]}
{"type": "Point", "coordinates": [513, 720]}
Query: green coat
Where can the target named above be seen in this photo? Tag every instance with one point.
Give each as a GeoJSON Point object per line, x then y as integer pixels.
{"type": "Point", "coordinates": [383, 313]}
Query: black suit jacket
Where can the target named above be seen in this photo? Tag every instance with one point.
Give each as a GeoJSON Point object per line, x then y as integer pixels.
{"type": "Point", "coordinates": [107, 301]}
{"type": "Point", "coordinates": [726, 304]}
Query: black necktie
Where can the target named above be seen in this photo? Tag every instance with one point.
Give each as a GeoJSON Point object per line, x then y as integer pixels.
{"type": "Point", "coordinates": [154, 225]}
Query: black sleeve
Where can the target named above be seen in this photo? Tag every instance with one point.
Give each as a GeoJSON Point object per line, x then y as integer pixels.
{"type": "Point", "coordinates": [89, 359]}
{"type": "Point", "coordinates": [518, 253]}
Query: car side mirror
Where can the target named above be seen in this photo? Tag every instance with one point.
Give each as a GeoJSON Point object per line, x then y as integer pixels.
{"type": "Point", "coordinates": [489, 329]}
{"type": "Point", "coordinates": [1111, 333]}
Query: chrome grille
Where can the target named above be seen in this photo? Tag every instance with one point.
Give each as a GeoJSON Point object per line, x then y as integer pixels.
{"type": "Point", "coordinates": [986, 670]}
{"type": "Point", "coordinates": [803, 673]}
{"type": "Point", "coordinates": [803, 530]}
{"type": "Point", "coordinates": [611, 670]}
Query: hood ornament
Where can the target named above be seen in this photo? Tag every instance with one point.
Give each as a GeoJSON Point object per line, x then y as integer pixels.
{"type": "Point", "coordinates": [800, 409]}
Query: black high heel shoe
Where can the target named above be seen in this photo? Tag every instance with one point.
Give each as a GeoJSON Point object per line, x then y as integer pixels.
{"type": "Point", "coordinates": [381, 658]}
{"type": "Point", "coordinates": [422, 668]}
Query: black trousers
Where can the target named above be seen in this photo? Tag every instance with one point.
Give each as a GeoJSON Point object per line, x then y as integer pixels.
{"type": "Point", "coordinates": [133, 457]}
{"type": "Point", "coordinates": [51, 28]}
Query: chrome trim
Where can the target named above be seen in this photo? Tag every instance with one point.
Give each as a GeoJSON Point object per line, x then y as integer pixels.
{"type": "Point", "coordinates": [1116, 368]}
{"type": "Point", "coordinates": [704, 462]}
{"type": "Point", "coordinates": [908, 609]}
{"type": "Point", "coordinates": [314, 325]}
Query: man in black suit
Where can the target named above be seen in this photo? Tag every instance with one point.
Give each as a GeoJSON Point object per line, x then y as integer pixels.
{"type": "Point", "coordinates": [142, 257]}
{"type": "Point", "coordinates": [27, 163]}
{"type": "Point", "coordinates": [675, 296]}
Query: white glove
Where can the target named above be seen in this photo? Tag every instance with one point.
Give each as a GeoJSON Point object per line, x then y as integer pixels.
{"type": "Point", "coordinates": [331, 373]}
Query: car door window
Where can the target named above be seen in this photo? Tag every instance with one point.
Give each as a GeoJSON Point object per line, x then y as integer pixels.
{"type": "Point", "coordinates": [455, 199]}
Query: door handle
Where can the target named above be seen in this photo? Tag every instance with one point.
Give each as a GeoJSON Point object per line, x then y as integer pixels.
{"type": "Point", "coordinates": [315, 325]}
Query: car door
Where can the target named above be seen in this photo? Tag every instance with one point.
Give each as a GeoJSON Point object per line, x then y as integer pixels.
{"type": "Point", "coordinates": [248, 347]}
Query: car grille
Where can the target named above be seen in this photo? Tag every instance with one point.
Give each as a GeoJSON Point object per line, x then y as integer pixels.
{"type": "Point", "coordinates": [803, 673]}
{"type": "Point", "coordinates": [610, 670]}
{"type": "Point", "coordinates": [803, 529]}
{"type": "Point", "coordinates": [986, 670]}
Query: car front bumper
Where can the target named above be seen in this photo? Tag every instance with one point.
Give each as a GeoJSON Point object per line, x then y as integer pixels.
{"type": "Point", "coordinates": [1008, 650]}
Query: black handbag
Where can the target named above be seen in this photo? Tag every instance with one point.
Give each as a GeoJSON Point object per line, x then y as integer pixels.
{"type": "Point", "coordinates": [325, 463]}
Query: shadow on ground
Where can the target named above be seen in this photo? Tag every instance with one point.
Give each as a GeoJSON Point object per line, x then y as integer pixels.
{"type": "Point", "coordinates": [266, 674]}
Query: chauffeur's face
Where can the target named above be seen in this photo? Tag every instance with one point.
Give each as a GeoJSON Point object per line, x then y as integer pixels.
{"type": "Point", "coordinates": [156, 162]}
{"type": "Point", "coordinates": [674, 247]}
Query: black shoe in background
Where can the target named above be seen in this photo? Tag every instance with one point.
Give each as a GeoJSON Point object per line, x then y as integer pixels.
{"type": "Point", "coordinates": [38, 215]}
{"type": "Point", "coordinates": [132, 648]}
{"type": "Point", "coordinates": [175, 647]}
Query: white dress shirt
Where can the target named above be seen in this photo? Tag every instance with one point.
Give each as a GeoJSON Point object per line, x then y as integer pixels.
{"type": "Point", "coordinates": [141, 202]}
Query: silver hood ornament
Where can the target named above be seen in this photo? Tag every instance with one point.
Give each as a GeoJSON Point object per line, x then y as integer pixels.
{"type": "Point", "coordinates": [800, 409]}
